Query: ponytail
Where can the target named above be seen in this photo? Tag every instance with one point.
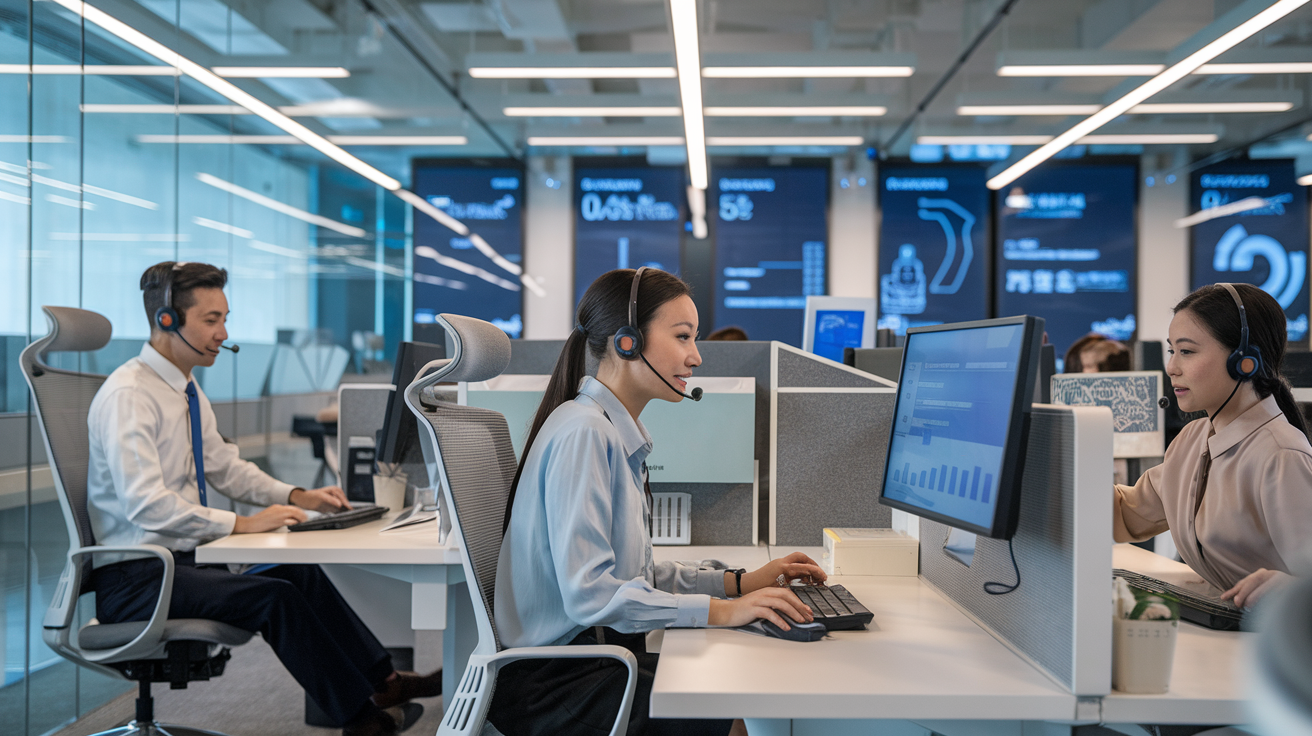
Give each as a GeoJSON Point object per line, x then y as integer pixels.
{"type": "Point", "coordinates": [602, 311]}
{"type": "Point", "coordinates": [563, 386]}
{"type": "Point", "coordinates": [1279, 387]}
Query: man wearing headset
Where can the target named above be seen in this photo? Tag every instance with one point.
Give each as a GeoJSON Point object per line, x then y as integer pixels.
{"type": "Point", "coordinates": [155, 452]}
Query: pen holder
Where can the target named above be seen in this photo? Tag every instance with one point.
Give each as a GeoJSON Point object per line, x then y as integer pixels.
{"type": "Point", "coordinates": [389, 491]}
{"type": "Point", "coordinates": [1142, 655]}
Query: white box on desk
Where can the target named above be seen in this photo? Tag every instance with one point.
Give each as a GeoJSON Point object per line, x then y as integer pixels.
{"type": "Point", "coordinates": [870, 552]}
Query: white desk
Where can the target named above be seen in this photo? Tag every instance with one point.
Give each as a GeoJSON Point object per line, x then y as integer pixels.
{"type": "Point", "coordinates": [924, 660]}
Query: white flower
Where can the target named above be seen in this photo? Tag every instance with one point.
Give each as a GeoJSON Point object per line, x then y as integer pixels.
{"type": "Point", "coordinates": [1157, 611]}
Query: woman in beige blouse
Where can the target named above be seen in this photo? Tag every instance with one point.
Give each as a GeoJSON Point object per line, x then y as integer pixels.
{"type": "Point", "coordinates": [1235, 489]}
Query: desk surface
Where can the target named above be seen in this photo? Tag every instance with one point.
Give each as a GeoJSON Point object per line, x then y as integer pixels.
{"type": "Point", "coordinates": [1207, 678]}
{"type": "Point", "coordinates": [923, 658]}
{"type": "Point", "coordinates": [359, 545]}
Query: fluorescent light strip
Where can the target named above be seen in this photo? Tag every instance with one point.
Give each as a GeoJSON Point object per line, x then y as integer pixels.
{"type": "Point", "coordinates": [786, 140]}
{"type": "Point", "coordinates": [16, 180]}
{"type": "Point", "coordinates": [1305, 180]}
{"type": "Point", "coordinates": [119, 196]}
{"type": "Point", "coordinates": [617, 140]}
{"type": "Point", "coordinates": [1209, 107]}
{"type": "Point", "coordinates": [579, 72]}
{"type": "Point", "coordinates": [223, 227]}
{"type": "Point", "coordinates": [399, 140]}
{"type": "Point", "coordinates": [123, 237]}
{"type": "Point", "coordinates": [1038, 140]}
{"type": "Point", "coordinates": [1080, 70]}
{"type": "Point", "coordinates": [532, 285]}
{"type": "Point", "coordinates": [1012, 110]}
{"type": "Point", "coordinates": [95, 70]}
{"type": "Point", "coordinates": [75, 203]}
{"type": "Point", "coordinates": [1170, 76]}
{"type": "Point", "coordinates": [428, 208]}
{"type": "Point", "coordinates": [282, 72]}
{"type": "Point", "coordinates": [688, 61]}
{"type": "Point", "coordinates": [33, 139]}
{"type": "Point", "coordinates": [808, 72]}
{"type": "Point", "coordinates": [983, 140]}
{"type": "Point", "coordinates": [1211, 213]}
{"type": "Point", "coordinates": [798, 111]}
{"type": "Point", "coordinates": [1269, 67]}
{"type": "Point", "coordinates": [277, 249]}
{"type": "Point", "coordinates": [277, 206]}
{"type": "Point", "coordinates": [6, 196]}
{"type": "Point", "coordinates": [424, 251]}
{"type": "Point", "coordinates": [587, 112]}
{"type": "Point", "coordinates": [375, 266]}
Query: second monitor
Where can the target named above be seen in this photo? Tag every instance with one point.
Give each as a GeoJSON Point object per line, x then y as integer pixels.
{"type": "Point", "coordinates": [960, 423]}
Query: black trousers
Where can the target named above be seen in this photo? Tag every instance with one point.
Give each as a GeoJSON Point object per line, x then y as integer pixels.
{"type": "Point", "coordinates": [581, 697]}
{"type": "Point", "coordinates": [314, 632]}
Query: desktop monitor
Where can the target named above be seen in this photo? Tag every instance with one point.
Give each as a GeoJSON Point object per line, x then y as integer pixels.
{"type": "Point", "coordinates": [400, 432]}
{"type": "Point", "coordinates": [960, 423]}
{"type": "Point", "coordinates": [837, 322]}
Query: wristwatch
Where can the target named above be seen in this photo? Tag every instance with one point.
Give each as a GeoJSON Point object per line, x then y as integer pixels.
{"type": "Point", "coordinates": [738, 577]}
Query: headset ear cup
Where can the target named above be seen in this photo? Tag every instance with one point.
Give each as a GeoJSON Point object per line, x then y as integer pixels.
{"type": "Point", "coordinates": [628, 343]}
{"type": "Point", "coordinates": [166, 319]}
{"type": "Point", "coordinates": [1243, 366]}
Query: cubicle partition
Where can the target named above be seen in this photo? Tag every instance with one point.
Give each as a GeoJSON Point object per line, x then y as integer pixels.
{"type": "Point", "coordinates": [1060, 617]}
{"type": "Point", "coordinates": [829, 429]}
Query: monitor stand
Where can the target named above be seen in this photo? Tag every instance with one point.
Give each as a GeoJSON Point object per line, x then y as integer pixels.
{"type": "Point", "coordinates": [960, 546]}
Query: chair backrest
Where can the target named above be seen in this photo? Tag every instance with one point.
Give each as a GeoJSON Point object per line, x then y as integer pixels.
{"type": "Point", "coordinates": [468, 451]}
{"type": "Point", "coordinates": [62, 399]}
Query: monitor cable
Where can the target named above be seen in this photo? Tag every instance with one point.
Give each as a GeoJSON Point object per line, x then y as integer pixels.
{"type": "Point", "coordinates": [1003, 588]}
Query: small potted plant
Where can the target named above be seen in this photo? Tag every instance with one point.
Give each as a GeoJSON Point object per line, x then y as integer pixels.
{"type": "Point", "coordinates": [1144, 628]}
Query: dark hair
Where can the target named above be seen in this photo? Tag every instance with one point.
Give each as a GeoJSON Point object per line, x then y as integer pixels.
{"type": "Point", "coordinates": [186, 277]}
{"type": "Point", "coordinates": [1112, 354]}
{"type": "Point", "coordinates": [1216, 309]}
{"type": "Point", "coordinates": [731, 332]}
{"type": "Point", "coordinates": [603, 310]}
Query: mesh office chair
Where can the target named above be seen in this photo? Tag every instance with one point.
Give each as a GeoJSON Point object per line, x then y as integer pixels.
{"type": "Point", "coordinates": [176, 651]}
{"type": "Point", "coordinates": [467, 449]}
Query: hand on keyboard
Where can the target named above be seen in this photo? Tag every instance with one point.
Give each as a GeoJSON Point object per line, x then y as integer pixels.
{"type": "Point", "coordinates": [796, 566]}
{"type": "Point", "coordinates": [326, 500]}
{"type": "Point", "coordinates": [777, 605]}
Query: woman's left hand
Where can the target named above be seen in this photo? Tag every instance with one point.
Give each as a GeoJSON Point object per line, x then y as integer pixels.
{"type": "Point", "coordinates": [796, 566]}
{"type": "Point", "coordinates": [1250, 590]}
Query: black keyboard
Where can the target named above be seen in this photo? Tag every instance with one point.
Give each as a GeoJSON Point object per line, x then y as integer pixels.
{"type": "Point", "coordinates": [834, 607]}
{"type": "Point", "coordinates": [361, 514]}
{"type": "Point", "coordinates": [1209, 612]}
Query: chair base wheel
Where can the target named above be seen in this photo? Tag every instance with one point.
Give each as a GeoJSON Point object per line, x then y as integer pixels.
{"type": "Point", "coordinates": [157, 729]}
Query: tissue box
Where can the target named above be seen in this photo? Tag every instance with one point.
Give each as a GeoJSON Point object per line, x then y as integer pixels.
{"type": "Point", "coordinates": [870, 552]}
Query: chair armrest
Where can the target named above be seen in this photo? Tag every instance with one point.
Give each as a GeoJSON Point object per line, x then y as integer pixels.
{"type": "Point", "coordinates": [64, 604]}
{"type": "Point", "coordinates": [591, 651]}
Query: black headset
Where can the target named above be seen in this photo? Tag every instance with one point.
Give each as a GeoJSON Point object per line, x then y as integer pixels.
{"type": "Point", "coordinates": [1246, 360]}
{"type": "Point", "coordinates": [166, 317]}
{"type": "Point", "coordinates": [628, 340]}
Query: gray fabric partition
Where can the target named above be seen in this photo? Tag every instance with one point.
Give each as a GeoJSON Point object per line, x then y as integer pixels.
{"type": "Point", "coordinates": [533, 357]}
{"type": "Point", "coordinates": [1038, 618]}
{"type": "Point", "coordinates": [811, 372]}
{"type": "Point", "coordinates": [721, 512]}
{"type": "Point", "coordinates": [831, 451]}
{"type": "Point", "coordinates": [361, 409]}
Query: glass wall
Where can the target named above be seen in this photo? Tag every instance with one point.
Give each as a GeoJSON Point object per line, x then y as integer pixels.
{"type": "Point", "coordinates": [102, 175]}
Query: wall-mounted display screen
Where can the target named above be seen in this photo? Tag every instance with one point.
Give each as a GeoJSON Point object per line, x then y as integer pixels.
{"type": "Point", "coordinates": [934, 246]}
{"type": "Point", "coordinates": [1065, 250]}
{"type": "Point", "coordinates": [771, 239]}
{"type": "Point", "coordinates": [1265, 245]}
{"type": "Point", "coordinates": [451, 274]}
{"type": "Point", "coordinates": [626, 218]}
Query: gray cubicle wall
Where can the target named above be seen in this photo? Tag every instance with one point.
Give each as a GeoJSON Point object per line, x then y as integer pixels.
{"type": "Point", "coordinates": [1060, 616]}
{"type": "Point", "coordinates": [831, 426]}
{"type": "Point", "coordinates": [361, 409]}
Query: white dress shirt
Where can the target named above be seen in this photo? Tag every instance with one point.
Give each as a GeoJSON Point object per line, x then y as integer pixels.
{"type": "Point", "coordinates": [578, 550]}
{"type": "Point", "coordinates": [141, 482]}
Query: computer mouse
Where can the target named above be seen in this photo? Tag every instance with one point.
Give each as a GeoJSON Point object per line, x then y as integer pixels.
{"type": "Point", "coordinates": [814, 631]}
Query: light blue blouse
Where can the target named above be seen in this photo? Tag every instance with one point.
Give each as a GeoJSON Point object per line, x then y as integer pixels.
{"type": "Point", "coordinates": [578, 550]}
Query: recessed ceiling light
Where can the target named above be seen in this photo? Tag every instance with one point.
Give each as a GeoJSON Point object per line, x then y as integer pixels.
{"type": "Point", "coordinates": [688, 60]}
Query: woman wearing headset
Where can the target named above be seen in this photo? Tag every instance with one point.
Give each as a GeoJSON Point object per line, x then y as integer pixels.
{"type": "Point", "coordinates": [1235, 489]}
{"type": "Point", "coordinates": [576, 561]}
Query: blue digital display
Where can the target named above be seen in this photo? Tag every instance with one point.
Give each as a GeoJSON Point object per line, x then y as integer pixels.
{"type": "Point", "coordinates": [771, 236]}
{"type": "Point", "coordinates": [1266, 246]}
{"type": "Point", "coordinates": [950, 426]}
{"type": "Point", "coordinates": [837, 329]}
{"type": "Point", "coordinates": [1066, 251]}
{"type": "Point", "coordinates": [934, 241]}
{"type": "Point", "coordinates": [626, 218]}
{"type": "Point", "coordinates": [451, 273]}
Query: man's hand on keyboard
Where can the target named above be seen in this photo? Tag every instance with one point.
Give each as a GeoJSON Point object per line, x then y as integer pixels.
{"type": "Point", "coordinates": [327, 499]}
{"type": "Point", "coordinates": [767, 603]}
{"type": "Point", "coordinates": [796, 566]}
{"type": "Point", "coordinates": [1250, 590]}
{"type": "Point", "coordinates": [273, 517]}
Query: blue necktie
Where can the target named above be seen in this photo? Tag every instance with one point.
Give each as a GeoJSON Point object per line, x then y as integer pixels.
{"type": "Point", "coordinates": [197, 446]}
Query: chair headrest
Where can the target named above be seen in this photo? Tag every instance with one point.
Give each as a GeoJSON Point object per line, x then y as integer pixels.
{"type": "Point", "coordinates": [74, 330]}
{"type": "Point", "coordinates": [482, 350]}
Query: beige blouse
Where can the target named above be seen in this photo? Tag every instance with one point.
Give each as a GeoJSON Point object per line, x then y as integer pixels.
{"type": "Point", "coordinates": [1256, 507]}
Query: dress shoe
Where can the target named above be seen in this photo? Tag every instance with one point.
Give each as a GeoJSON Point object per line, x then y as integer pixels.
{"type": "Point", "coordinates": [407, 686]}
